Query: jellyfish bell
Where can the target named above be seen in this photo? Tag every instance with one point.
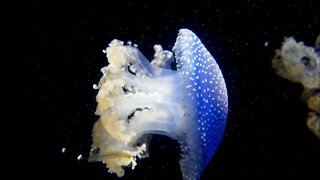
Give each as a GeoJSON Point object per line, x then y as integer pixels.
{"type": "Point", "coordinates": [137, 97]}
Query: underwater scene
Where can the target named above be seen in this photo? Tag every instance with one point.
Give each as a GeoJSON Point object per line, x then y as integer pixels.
{"type": "Point", "coordinates": [166, 90]}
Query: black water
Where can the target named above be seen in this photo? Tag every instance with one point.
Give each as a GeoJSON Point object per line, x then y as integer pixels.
{"type": "Point", "coordinates": [59, 52]}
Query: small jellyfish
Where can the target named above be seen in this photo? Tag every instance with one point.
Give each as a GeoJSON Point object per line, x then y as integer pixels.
{"type": "Point", "coordinates": [299, 63]}
{"type": "Point", "coordinates": [188, 103]}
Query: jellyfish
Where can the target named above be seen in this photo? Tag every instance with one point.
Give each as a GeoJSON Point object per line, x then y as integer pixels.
{"type": "Point", "coordinates": [299, 63]}
{"type": "Point", "coordinates": [136, 98]}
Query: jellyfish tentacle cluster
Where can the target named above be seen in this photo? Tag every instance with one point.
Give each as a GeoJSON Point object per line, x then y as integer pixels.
{"type": "Point", "coordinates": [138, 97]}
{"type": "Point", "coordinates": [301, 64]}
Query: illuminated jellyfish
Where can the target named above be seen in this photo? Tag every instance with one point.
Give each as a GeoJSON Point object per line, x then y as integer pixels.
{"type": "Point", "coordinates": [137, 98]}
{"type": "Point", "coordinates": [299, 63]}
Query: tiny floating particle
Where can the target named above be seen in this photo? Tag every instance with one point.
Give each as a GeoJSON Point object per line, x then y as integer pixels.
{"type": "Point", "coordinates": [95, 86]}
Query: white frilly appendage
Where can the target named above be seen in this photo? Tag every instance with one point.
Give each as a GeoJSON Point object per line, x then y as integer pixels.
{"type": "Point", "coordinates": [135, 98]}
{"type": "Point", "coordinates": [299, 63]}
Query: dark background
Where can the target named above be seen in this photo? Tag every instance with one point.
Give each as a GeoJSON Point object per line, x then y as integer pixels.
{"type": "Point", "coordinates": [59, 52]}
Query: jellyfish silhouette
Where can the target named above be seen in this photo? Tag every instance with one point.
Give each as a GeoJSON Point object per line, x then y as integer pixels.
{"type": "Point", "coordinates": [188, 104]}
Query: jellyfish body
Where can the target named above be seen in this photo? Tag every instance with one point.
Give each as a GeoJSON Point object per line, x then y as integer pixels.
{"type": "Point", "coordinates": [300, 63]}
{"type": "Point", "coordinates": [137, 97]}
